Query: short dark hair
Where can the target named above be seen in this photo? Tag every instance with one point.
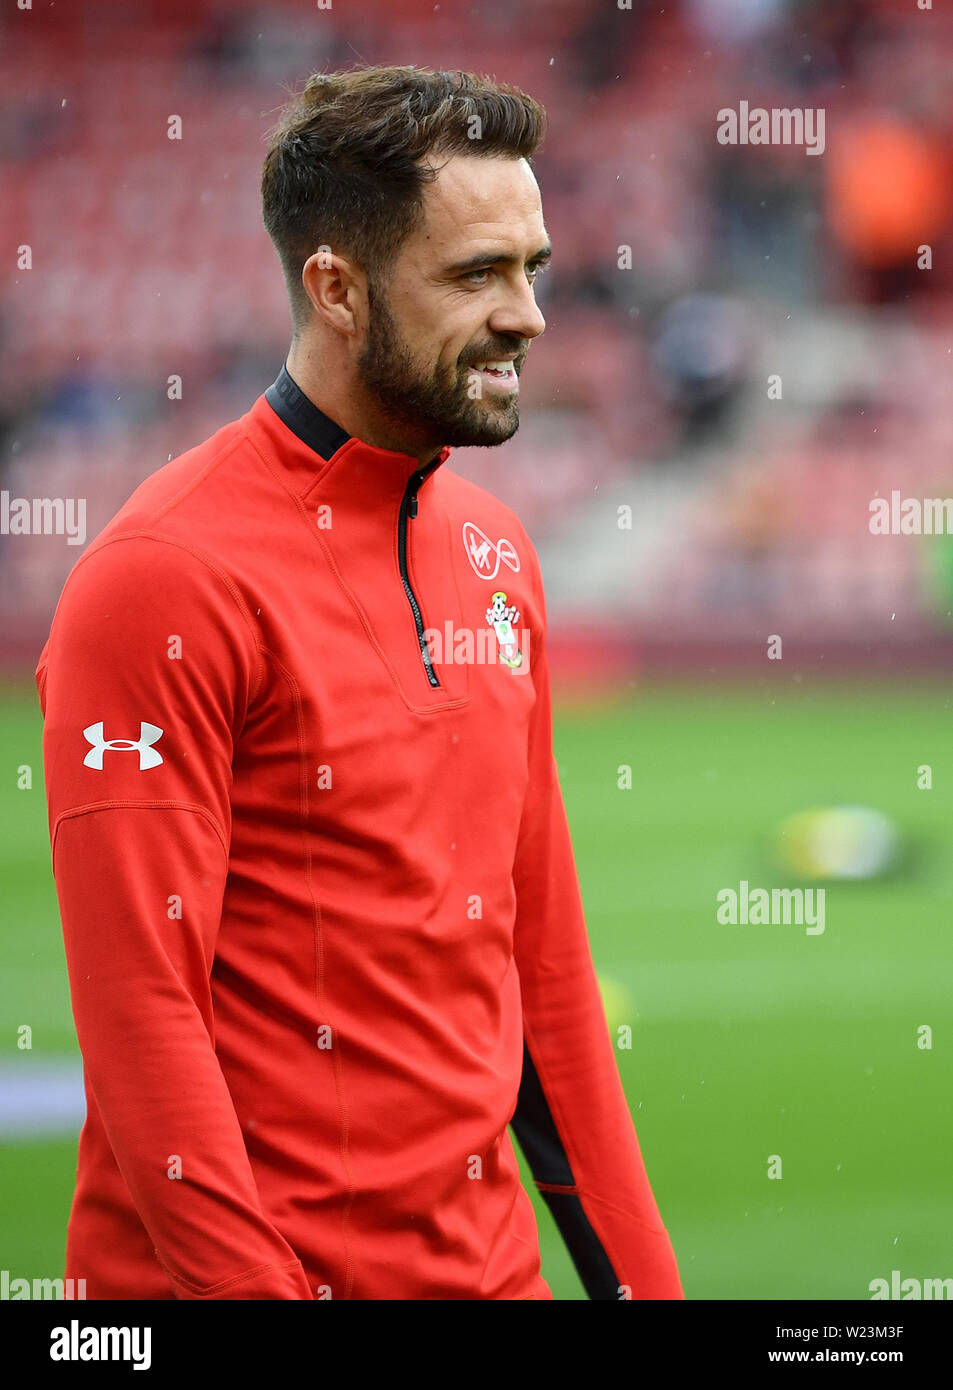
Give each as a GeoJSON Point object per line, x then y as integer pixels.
{"type": "Point", "coordinates": [349, 158]}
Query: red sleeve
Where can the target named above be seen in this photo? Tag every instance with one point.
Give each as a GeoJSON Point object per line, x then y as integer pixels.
{"type": "Point", "coordinates": [572, 1119]}
{"type": "Point", "coordinates": [151, 646]}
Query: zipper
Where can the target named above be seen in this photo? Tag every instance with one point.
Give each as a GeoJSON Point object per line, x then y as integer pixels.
{"type": "Point", "coordinates": [408, 508]}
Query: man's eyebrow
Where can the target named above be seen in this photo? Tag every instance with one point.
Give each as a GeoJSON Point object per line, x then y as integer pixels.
{"type": "Point", "coordinates": [497, 258]}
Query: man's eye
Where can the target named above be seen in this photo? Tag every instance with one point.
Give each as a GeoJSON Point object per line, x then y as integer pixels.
{"type": "Point", "coordinates": [532, 272]}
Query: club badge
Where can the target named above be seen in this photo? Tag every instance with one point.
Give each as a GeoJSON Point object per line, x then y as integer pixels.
{"type": "Point", "coordinates": [502, 617]}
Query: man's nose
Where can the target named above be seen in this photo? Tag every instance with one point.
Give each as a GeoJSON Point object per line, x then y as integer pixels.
{"type": "Point", "coordinates": [518, 314]}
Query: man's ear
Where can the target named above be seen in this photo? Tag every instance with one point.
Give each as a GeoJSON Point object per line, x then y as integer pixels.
{"type": "Point", "coordinates": [337, 289]}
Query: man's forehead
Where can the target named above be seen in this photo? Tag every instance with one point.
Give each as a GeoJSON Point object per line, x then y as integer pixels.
{"type": "Point", "coordinates": [481, 198]}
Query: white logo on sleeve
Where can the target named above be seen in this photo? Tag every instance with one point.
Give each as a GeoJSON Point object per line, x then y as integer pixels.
{"type": "Point", "coordinates": [148, 735]}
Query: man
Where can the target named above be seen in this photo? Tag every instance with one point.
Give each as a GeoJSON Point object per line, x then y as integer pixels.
{"type": "Point", "coordinates": [321, 914]}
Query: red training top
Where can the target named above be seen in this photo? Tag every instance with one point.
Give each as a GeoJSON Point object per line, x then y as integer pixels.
{"type": "Point", "coordinates": [320, 909]}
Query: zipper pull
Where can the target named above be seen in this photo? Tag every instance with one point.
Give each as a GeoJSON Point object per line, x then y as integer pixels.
{"type": "Point", "coordinates": [413, 484]}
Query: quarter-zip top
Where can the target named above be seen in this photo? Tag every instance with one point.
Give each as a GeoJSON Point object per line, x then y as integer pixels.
{"type": "Point", "coordinates": [321, 915]}
{"type": "Point", "coordinates": [408, 508]}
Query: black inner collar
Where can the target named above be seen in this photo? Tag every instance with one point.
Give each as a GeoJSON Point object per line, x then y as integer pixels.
{"type": "Point", "coordinates": [310, 424]}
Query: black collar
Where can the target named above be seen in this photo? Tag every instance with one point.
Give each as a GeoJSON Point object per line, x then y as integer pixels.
{"type": "Point", "coordinates": [303, 417]}
{"type": "Point", "coordinates": [310, 424]}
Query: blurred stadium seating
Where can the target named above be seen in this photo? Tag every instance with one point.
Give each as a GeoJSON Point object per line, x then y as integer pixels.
{"type": "Point", "coordinates": [649, 388]}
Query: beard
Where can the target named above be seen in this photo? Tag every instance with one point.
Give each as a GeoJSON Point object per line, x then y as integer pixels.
{"type": "Point", "coordinates": [429, 406]}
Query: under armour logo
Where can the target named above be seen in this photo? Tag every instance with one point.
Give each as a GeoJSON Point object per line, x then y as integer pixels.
{"type": "Point", "coordinates": [148, 735]}
{"type": "Point", "coordinates": [484, 556]}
